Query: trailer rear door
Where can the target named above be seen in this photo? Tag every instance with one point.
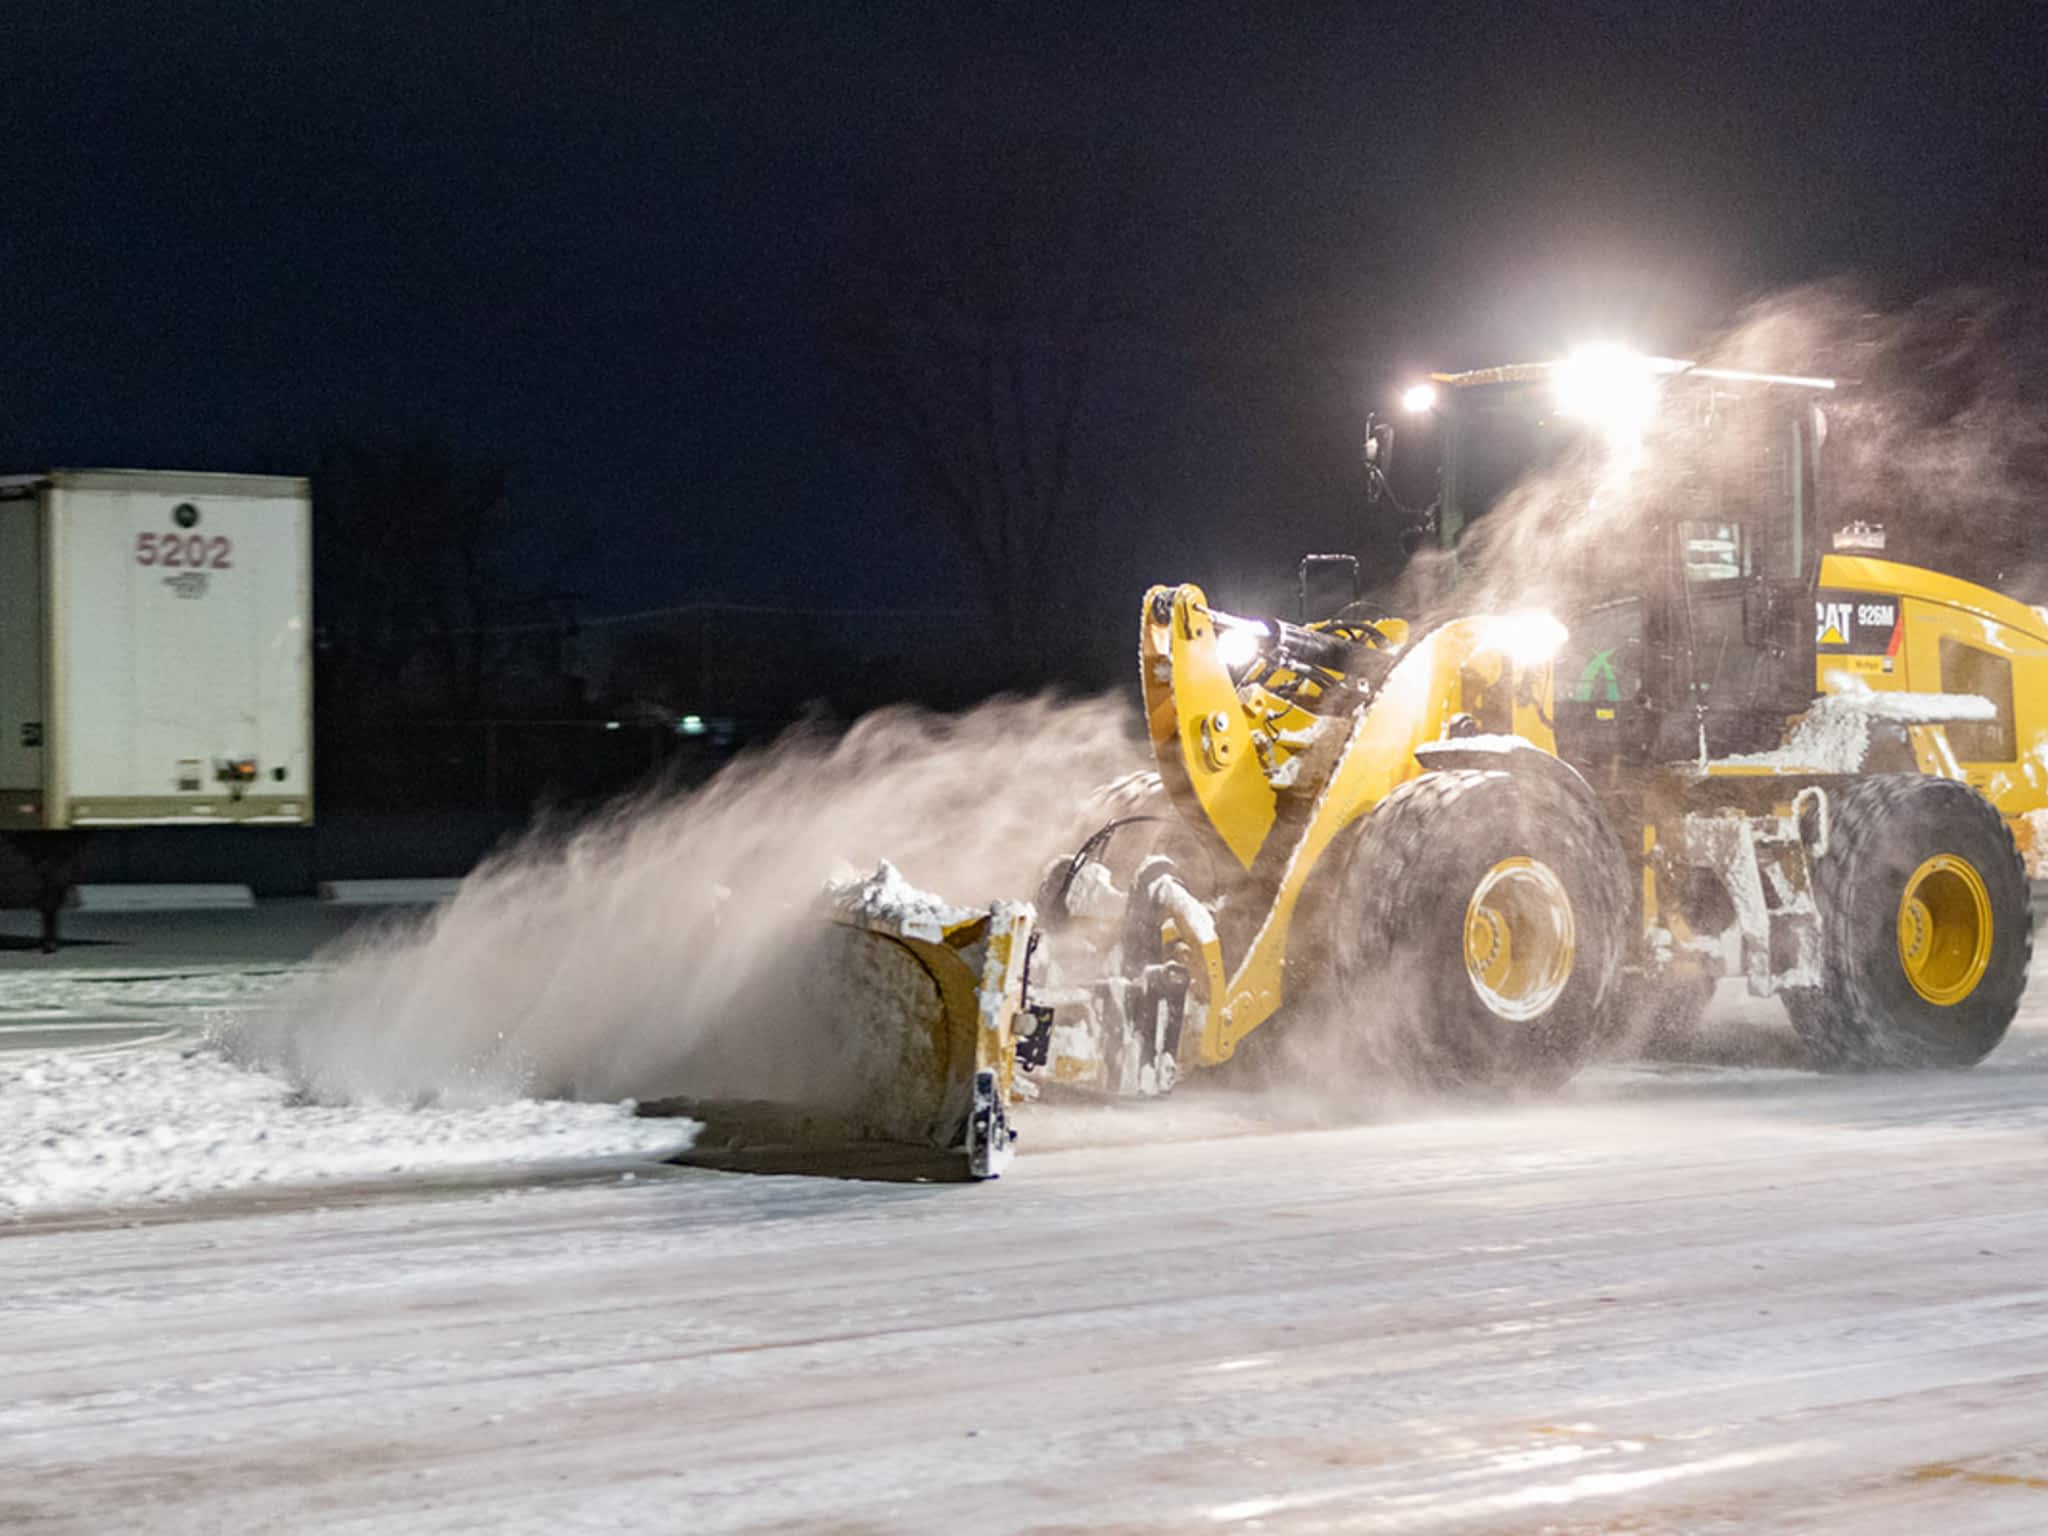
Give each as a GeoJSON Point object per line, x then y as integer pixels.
{"type": "Point", "coordinates": [21, 661]}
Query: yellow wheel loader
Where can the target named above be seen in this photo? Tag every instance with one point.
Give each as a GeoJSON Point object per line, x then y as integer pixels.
{"type": "Point", "coordinates": [1479, 849]}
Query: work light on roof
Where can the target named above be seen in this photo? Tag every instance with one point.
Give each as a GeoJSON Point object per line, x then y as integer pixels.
{"type": "Point", "coordinates": [1418, 398]}
{"type": "Point", "coordinates": [1610, 387]}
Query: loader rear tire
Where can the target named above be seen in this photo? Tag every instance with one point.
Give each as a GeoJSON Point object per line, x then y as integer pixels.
{"type": "Point", "coordinates": [1926, 933]}
{"type": "Point", "coordinates": [1477, 930]}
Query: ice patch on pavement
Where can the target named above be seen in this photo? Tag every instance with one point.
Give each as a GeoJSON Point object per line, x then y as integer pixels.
{"type": "Point", "coordinates": [99, 1130]}
{"type": "Point", "coordinates": [97, 993]}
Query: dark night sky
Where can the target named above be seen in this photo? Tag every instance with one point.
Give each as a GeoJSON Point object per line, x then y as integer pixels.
{"type": "Point", "coordinates": [598, 242]}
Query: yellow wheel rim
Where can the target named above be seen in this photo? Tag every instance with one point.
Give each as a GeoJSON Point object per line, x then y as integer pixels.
{"type": "Point", "coordinates": [1945, 929]}
{"type": "Point", "coordinates": [1519, 939]}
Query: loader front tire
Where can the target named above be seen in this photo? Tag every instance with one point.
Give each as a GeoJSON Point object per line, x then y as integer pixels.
{"type": "Point", "coordinates": [1477, 930]}
{"type": "Point", "coordinates": [1926, 932]}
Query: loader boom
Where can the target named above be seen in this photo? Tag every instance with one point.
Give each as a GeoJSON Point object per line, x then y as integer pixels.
{"type": "Point", "coordinates": [1223, 758]}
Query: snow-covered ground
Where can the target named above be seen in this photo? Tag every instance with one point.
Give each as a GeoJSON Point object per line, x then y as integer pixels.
{"type": "Point", "coordinates": [112, 1097]}
{"type": "Point", "coordinates": [112, 1128]}
{"type": "Point", "coordinates": [1674, 1299]}
{"type": "Point", "coordinates": [59, 1005]}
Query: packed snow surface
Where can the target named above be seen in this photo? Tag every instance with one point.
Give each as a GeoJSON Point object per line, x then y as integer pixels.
{"type": "Point", "coordinates": [90, 994]}
{"type": "Point", "coordinates": [1722, 1297]}
{"type": "Point", "coordinates": [168, 1117]}
{"type": "Point", "coordinates": [1725, 1300]}
{"type": "Point", "coordinates": [104, 1129]}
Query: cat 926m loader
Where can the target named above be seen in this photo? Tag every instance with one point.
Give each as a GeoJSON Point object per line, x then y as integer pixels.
{"type": "Point", "coordinates": [1480, 849]}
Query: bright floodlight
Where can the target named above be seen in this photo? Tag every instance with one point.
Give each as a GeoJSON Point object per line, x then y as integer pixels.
{"type": "Point", "coordinates": [1417, 398]}
{"type": "Point", "coordinates": [1237, 648]}
{"type": "Point", "coordinates": [1610, 387]}
{"type": "Point", "coordinates": [1529, 637]}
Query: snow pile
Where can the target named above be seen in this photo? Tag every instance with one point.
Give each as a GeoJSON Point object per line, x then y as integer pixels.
{"type": "Point", "coordinates": [1092, 893]}
{"type": "Point", "coordinates": [1834, 735]}
{"type": "Point", "coordinates": [1915, 708]}
{"type": "Point", "coordinates": [888, 900]}
{"type": "Point", "coordinates": [872, 1018]}
{"type": "Point", "coordinates": [94, 1130]}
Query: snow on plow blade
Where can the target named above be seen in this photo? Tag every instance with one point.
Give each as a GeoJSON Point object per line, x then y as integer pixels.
{"type": "Point", "coordinates": [916, 1003]}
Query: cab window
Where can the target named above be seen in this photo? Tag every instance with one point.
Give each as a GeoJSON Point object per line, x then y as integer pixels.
{"type": "Point", "coordinates": [1969, 669]}
{"type": "Point", "coordinates": [1714, 551]}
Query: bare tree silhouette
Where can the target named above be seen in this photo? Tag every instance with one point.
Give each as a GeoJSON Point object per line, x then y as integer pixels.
{"type": "Point", "coordinates": [407, 585]}
{"type": "Point", "coordinates": [974, 327]}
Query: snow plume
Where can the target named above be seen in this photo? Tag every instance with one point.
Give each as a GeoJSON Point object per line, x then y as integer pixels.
{"type": "Point", "coordinates": [678, 945]}
{"type": "Point", "coordinates": [1943, 418]}
{"type": "Point", "coordinates": [1940, 426]}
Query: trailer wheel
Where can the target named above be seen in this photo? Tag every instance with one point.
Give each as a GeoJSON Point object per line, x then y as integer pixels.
{"type": "Point", "coordinates": [1476, 930]}
{"type": "Point", "coordinates": [53, 859]}
{"type": "Point", "coordinates": [1925, 929]}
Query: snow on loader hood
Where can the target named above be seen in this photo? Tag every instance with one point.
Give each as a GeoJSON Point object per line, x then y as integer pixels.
{"type": "Point", "coordinates": [1834, 734]}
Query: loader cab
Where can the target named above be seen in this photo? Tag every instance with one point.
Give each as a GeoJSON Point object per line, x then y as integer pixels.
{"type": "Point", "coordinates": [1668, 513]}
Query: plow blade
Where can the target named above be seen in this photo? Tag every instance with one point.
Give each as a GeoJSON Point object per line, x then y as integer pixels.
{"type": "Point", "coordinates": [913, 1008]}
{"type": "Point", "coordinates": [963, 1052]}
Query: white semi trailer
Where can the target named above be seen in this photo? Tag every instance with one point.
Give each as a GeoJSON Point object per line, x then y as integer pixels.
{"type": "Point", "coordinates": [155, 659]}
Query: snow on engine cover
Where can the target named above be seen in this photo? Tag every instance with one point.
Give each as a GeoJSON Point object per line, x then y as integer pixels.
{"type": "Point", "coordinates": [155, 664]}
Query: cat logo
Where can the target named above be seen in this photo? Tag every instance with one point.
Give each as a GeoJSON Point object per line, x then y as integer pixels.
{"type": "Point", "coordinates": [1834, 623]}
{"type": "Point", "coordinates": [1859, 623]}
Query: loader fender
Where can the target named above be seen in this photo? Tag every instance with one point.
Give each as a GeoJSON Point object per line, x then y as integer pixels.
{"type": "Point", "coordinates": [1508, 754]}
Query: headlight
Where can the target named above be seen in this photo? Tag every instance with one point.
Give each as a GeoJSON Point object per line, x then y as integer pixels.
{"type": "Point", "coordinates": [1237, 648]}
{"type": "Point", "coordinates": [1529, 638]}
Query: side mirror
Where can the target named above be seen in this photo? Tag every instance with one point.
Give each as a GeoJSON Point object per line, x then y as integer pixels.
{"type": "Point", "coordinates": [1379, 456]}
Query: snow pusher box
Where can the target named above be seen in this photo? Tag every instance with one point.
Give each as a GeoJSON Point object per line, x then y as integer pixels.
{"type": "Point", "coordinates": [1479, 851]}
